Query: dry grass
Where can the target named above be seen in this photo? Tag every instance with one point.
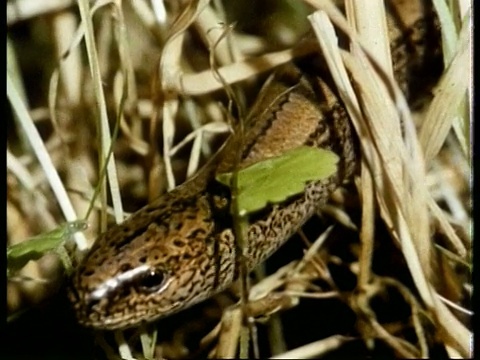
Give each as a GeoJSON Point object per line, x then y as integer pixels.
{"type": "Point", "coordinates": [126, 107]}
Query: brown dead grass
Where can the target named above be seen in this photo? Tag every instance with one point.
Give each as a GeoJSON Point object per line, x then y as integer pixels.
{"type": "Point", "coordinates": [149, 77]}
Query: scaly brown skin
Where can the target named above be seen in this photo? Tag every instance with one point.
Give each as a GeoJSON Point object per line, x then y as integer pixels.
{"type": "Point", "coordinates": [180, 249]}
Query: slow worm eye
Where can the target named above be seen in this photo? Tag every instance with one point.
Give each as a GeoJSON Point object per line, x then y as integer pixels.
{"type": "Point", "coordinates": [152, 280]}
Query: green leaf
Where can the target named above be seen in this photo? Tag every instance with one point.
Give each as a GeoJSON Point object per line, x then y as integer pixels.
{"type": "Point", "coordinates": [275, 179]}
{"type": "Point", "coordinates": [20, 254]}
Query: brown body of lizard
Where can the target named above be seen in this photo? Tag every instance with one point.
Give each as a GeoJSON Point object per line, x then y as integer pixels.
{"type": "Point", "coordinates": [180, 249]}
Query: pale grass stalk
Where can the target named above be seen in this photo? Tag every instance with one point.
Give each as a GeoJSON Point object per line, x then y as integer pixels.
{"type": "Point", "coordinates": [228, 338]}
{"type": "Point", "coordinates": [449, 195]}
{"type": "Point", "coordinates": [455, 306]}
{"type": "Point", "coordinates": [41, 152]}
{"type": "Point", "coordinates": [13, 69]}
{"type": "Point", "coordinates": [205, 82]}
{"type": "Point", "coordinates": [368, 18]}
{"type": "Point", "coordinates": [148, 341]}
{"type": "Point", "coordinates": [459, 334]}
{"type": "Point", "coordinates": [254, 334]}
{"type": "Point", "coordinates": [270, 283]}
{"type": "Point", "coordinates": [403, 348]}
{"type": "Point", "coordinates": [106, 142]}
{"type": "Point", "coordinates": [448, 29]}
{"type": "Point", "coordinates": [136, 143]}
{"type": "Point", "coordinates": [464, 7]}
{"type": "Point", "coordinates": [218, 40]}
{"type": "Point", "coordinates": [207, 26]}
{"type": "Point", "coordinates": [386, 143]}
{"type": "Point", "coordinates": [20, 172]}
{"type": "Point", "coordinates": [69, 62]}
{"type": "Point", "coordinates": [315, 349]}
{"type": "Point", "coordinates": [65, 26]}
{"type": "Point", "coordinates": [160, 11]}
{"type": "Point", "coordinates": [69, 74]}
{"type": "Point", "coordinates": [110, 354]}
{"type": "Point", "coordinates": [199, 114]}
{"type": "Point", "coordinates": [52, 101]}
{"type": "Point", "coordinates": [447, 228]}
{"type": "Point", "coordinates": [194, 159]}
{"type": "Point", "coordinates": [152, 19]}
{"type": "Point", "coordinates": [415, 194]}
{"type": "Point", "coordinates": [367, 230]}
{"type": "Point", "coordinates": [212, 128]}
{"type": "Point", "coordinates": [123, 347]}
{"type": "Point", "coordinates": [146, 14]}
{"type": "Point", "coordinates": [243, 342]}
{"type": "Point", "coordinates": [456, 331]}
{"type": "Point", "coordinates": [126, 94]}
{"type": "Point", "coordinates": [461, 125]}
{"type": "Point", "coordinates": [340, 216]}
{"type": "Point", "coordinates": [449, 93]}
{"type": "Point", "coordinates": [323, 295]}
{"type": "Point", "coordinates": [210, 337]}
{"type": "Point", "coordinates": [100, 3]}
{"type": "Point", "coordinates": [453, 353]}
{"type": "Point", "coordinates": [328, 42]}
{"type": "Point", "coordinates": [104, 38]}
{"type": "Point", "coordinates": [126, 67]}
{"type": "Point", "coordinates": [22, 10]}
{"type": "Point", "coordinates": [169, 74]}
{"type": "Point", "coordinates": [313, 250]}
{"type": "Point", "coordinates": [276, 335]}
{"type": "Point", "coordinates": [249, 44]}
